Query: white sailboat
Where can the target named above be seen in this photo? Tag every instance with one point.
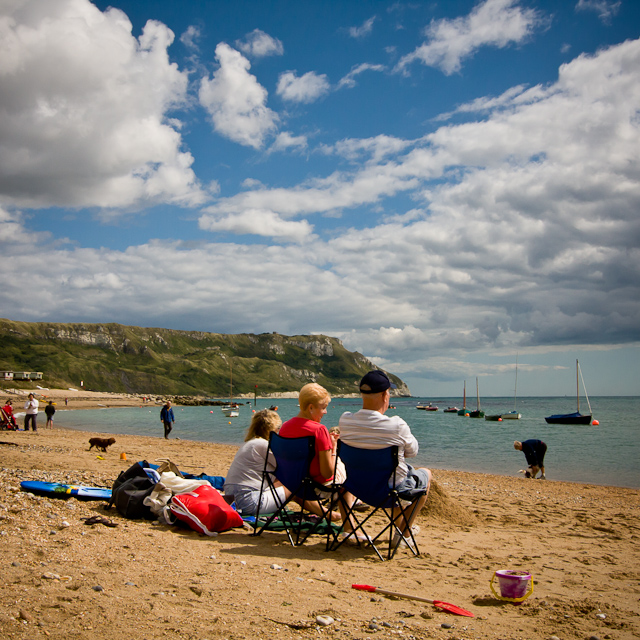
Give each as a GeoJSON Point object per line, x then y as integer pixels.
{"type": "Point", "coordinates": [231, 410]}
{"type": "Point", "coordinates": [511, 415]}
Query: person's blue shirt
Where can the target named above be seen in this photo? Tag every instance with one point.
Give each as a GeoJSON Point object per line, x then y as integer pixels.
{"type": "Point", "coordinates": [166, 415]}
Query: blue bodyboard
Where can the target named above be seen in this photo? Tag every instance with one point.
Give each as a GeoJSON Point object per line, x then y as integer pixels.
{"type": "Point", "coordinates": [56, 489]}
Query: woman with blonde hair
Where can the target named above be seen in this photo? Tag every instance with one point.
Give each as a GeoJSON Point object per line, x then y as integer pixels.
{"type": "Point", "coordinates": [244, 479]}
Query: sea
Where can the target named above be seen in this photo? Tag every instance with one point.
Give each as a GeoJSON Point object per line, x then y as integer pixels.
{"type": "Point", "coordinates": [603, 454]}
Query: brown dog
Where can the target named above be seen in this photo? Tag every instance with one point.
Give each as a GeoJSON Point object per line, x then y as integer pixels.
{"type": "Point", "coordinates": [101, 443]}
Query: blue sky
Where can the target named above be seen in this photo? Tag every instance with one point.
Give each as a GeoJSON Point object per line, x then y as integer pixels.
{"type": "Point", "coordinates": [443, 186]}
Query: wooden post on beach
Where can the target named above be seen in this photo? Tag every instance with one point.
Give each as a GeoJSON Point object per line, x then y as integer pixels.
{"type": "Point", "coordinates": [255, 395]}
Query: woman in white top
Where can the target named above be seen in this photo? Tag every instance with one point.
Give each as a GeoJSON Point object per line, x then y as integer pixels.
{"type": "Point", "coordinates": [244, 478]}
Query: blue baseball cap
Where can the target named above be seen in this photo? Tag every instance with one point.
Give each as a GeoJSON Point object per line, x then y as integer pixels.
{"type": "Point", "coordinates": [376, 381]}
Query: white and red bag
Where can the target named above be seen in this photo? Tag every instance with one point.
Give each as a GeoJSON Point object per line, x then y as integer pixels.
{"type": "Point", "coordinates": [205, 511]}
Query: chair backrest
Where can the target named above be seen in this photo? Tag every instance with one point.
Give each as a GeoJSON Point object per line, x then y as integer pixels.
{"type": "Point", "coordinates": [293, 458]}
{"type": "Point", "coordinates": [369, 472]}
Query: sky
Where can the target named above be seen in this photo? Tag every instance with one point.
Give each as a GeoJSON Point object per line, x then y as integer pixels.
{"type": "Point", "coordinates": [447, 187]}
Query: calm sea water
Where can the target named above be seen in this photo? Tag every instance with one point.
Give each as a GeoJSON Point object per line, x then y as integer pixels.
{"type": "Point", "coordinates": [608, 454]}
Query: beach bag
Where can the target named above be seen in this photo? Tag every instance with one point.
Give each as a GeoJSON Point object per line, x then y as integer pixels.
{"type": "Point", "coordinates": [205, 510]}
{"type": "Point", "coordinates": [130, 489]}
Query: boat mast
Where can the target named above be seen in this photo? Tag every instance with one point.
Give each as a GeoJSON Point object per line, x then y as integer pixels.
{"type": "Point", "coordinates": [464, 396]}
{"type": "Point", "coordinates": [584, 386]}
{"type": "Point", "coordinates": [230, 382]}
{"type": "Point", "coordinates": [477, 395]}
{"type": "Point", "coordinates": [578, 384]}
{"type": "Point", "coordinates": [515, 391]}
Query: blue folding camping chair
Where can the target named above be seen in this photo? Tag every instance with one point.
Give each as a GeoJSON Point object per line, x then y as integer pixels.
{"type": "Point", "coordinates": [369, 474]}
{"type": "Point", "coordinates": [293, 459]}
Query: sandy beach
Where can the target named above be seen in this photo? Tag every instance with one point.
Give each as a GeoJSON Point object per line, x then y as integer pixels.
{"type": "Point", "coordinates": [62, 578]}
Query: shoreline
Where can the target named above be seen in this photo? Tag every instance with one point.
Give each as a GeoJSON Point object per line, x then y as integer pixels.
{"type": "Point", "coordinates": [579, 542]}
{"type": "Point", "coordinates": [81, 400]}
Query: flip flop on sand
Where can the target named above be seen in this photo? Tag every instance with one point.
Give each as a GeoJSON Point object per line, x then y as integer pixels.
{"type": "Point", "coordinates": [99, 520]}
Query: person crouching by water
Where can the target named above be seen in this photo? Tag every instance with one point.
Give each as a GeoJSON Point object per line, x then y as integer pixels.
{"type": "Point", "coordinates": [167, 418]}
{"type": "Point", "coordinates": [31, 409]}
{"type": "Point", "coordinates": [534, 451]}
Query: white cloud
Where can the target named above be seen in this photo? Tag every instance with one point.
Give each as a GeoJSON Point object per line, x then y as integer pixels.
{"type": "Point", "coordinates": [259, 222]}
{"type": "Point", "coordinates": [285, 141]}
{"type": "Point", "coordinates": [363, 30]}
{"type": "Point", "coordinates": [605, 9]}
{"type": "Point", "coordinates": [495, 23]}
{"type": "Point", "coordinates": [190, 37]}
{"type": "Point", "coordinates": [350, 79]}
{"type": "Point", "coordinates": [83, 109]}
{"type": "Point", "coordinates": [375, 149]}
{"type": "Point", "coordinates": [307, 88]}
{"type": "Point", "coordinates": [236, 101]}
{"type": "Point", "coordinates": [259, 44]}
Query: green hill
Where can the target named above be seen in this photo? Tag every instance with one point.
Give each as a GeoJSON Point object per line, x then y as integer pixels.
{"type": "Point", "coordinates": [118, 358]}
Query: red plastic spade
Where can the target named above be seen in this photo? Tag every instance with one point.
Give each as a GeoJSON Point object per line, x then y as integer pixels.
{"type": "Point", "coordinates": [445, 606]}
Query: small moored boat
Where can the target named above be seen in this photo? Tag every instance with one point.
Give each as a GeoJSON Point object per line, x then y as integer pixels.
{"type": "Point", "coordinates": [577, 417]}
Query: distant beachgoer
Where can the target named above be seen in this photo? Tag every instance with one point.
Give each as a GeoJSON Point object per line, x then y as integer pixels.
{"type": "Point", "coordinates": [66, 401]}
{"type": "Point", "coordinates": [8, 410]}
{"type": "Point", "coordinates": [534, 451]}
{"type": "Point", "coordinates": [31, 409]}
{"type": "Point", "coordinates": [167, 418]}
{"type": "Point", "coordinates": [50, 410]}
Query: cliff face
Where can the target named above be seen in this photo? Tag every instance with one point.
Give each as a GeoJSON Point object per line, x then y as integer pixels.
{"type": "Point", "coordinates": [113, 357]}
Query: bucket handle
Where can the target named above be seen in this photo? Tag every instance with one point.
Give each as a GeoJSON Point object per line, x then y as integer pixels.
{"type": "Point", "coordinates": [524, 597]}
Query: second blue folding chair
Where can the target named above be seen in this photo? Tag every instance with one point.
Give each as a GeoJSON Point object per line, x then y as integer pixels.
{"type": "Point", "coordinates": [371, 478]}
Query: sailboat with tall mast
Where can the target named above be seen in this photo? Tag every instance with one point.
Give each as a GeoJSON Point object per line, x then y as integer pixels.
{"type": "Point", "coordinates": [512, 415]}
{"type": "Point", "coordinates": [230, 410]}
{"type": "Point", "coordinates": [478, 413]}
{"type": "Point", "coordinates": [577, 417]}
{"type": "Point", "coordinates": [463, 411]}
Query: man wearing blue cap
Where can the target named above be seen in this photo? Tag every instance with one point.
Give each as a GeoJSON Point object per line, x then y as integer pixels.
{"type": "Point", "coordinates": [369, 428]}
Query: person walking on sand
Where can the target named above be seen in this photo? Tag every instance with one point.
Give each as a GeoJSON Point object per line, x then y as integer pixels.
{"type": "Point", "coordinates": [31, 411]}
{"type": "Point", "coordinates": [534, 451]}
{"type": "Point", "coordinates": [167, 418]}
{"type": "Point", "coordinates": [369, 428]}
{"type": "Point", "coordinates": [50, 410]}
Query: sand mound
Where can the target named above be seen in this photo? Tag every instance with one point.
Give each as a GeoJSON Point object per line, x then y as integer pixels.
{"type": "Point", "coordinates": [441, 507]}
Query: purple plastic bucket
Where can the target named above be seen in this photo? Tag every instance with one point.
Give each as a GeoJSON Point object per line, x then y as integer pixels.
{"type": "Point", "coordinates": [513, 584]}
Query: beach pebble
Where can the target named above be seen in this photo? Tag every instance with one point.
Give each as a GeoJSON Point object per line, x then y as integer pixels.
{"type": "Point", "coordinates": [324, 621]}
{"type": "Point", "coordinates": [594, 638]}
{"type": "Point", "coordinates": [64, 524]}
{"type": "Point", "coordinates": [373, 626]}
{"type": "Point", "coordinates": [15, 563]}
{"type": "Point", "coordinates": [98, 588]}
{"type": "Point", "coordinates": [275, 566]}
{"type": "Point", "coordinates": [446, 625]}
{"type": "Point", "coordinates": [602, 616]}
{"type": "Point", "coordinates": [47, 575]}
{"type": "Point", "coordinates": [130, 584]}
{"type": "Point", "coordinates": [554, 638]}
{"type": "Point", "coordinates": [25, 615]}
